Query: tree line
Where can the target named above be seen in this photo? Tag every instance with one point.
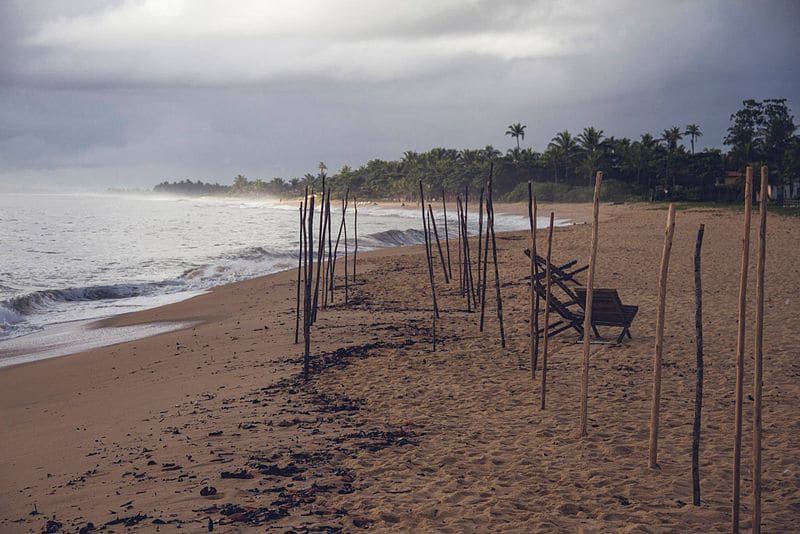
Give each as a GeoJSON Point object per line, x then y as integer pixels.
{"type": "Point", "coordinates": [651, 167]}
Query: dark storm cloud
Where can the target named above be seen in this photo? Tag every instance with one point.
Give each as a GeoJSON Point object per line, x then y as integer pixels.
{"type": "Point", "coordinates": [135, 91]}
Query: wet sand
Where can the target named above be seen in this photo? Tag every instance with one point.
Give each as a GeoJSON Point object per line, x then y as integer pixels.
{"type": "Point", "coordinates": [214, 423]}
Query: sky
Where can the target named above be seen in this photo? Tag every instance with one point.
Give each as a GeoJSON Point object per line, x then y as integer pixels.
{"type": "Point", "coordinates": [128, 93]}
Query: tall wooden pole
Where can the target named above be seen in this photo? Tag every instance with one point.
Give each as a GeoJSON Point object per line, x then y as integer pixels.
{"type": "Point", "coordinates": [655, 408]}
{"type": "Point", "coordinates": [759, 350]}
{"type": "Point", "coordinates": [463, 242]}
{"type": "Point", "coordinates": [485, 254]}
{"type": "Point", "coordinates": [344, 222]}
{"type": "Point", "coordinates": [587, 317]}
{"type": "Point", "coordinates": [320, 252]}
{"type": "Point", "coordinates": [698, 390]}
{"type": "Point", "coordinates": [336, 246]}
{"type": "Point", "coordinates": [307, 314]}
{"type": "Point", "coordinates": [533, 323]}
{"type": "Point", "coordinates": [498, 297]}
{"type": "Point", "coordinates": [467, 252]}
{"type": "Point", "coordinates": [737, 434]}
{"type": "Point", "coordinates": [460, 244]}
{"type": "Point", "coordinates": [438, 243]}
{"type": "Point", "coordinates": [355, 236]}
{"type": "Point", "coordinates": [336, 256]}
{"type": "Point", "coordinates": [430, 262]}
{"type": "Point", "coordinates": [480, 238]}
{"type": "Point", "coordinates": [485, 265]}
{"type": "Point", "coordinates": [545, 343]}
{"type": "Point", "coordinates": [446, 236]}
{"type": "Point", "coordinates": [300, 271]}
{"type": "Point", "coordinates": [328, 266]}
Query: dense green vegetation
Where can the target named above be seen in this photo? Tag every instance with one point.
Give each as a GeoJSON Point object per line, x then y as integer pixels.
{"type": "Point", "coordinates": [651, 168]}
{"type": "Point", "coordinates": [188, 187]}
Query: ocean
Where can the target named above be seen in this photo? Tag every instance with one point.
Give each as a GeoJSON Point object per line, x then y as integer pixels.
{"type": "Point", "coordinates": [70, 258]}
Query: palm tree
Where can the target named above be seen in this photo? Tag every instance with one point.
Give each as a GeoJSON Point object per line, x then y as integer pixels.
{"type": "Point", "coordinates": [562, 149]}
{"type": "Point", "coordinates": [516, 131]}
{"type": "Point", "coordinates": [693, 131]}
{"type": "Point", "coordinates": [591, 144]}
{"type": "Point", "coordinates": [671, 136]}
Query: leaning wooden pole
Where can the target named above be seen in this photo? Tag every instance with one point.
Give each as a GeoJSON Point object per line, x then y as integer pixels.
{"type": "Point", "coordinates": [307, 314]}
{"type": "Point", "coordinates": [344, 222]}
{"type": "Point", "coordinates": [698, 389]}
{"type": "Point", "coordinates": [328, 265]}
{"type": "Point", "coordinates": [300, 272]}
{"type": "Point", "coordinates": [758, 373]}
{"type": "Point", "coordinates": [467, 251]}
{"type": "Point", "coordinates": [460, 244]}
{"type": "Point", "coordinates": [429, 261]}
{"type": "Point", "coordinates": [336, 246]}
{"type": "Point", "coordinates": [480, 238]}
{"type": "Point", "coordinates": [545, 343]}
{"type": "Point", "coordinates": [587, 315]}
{"type": "Point", "coordinates": [320, 252]}
{"type": "Point", "coordinates": [533, 322]}
{"type": "Point", "coordinates": [498, 297]}
{"type": "Point", "coordinates": [740, 334]}
{"type": "Point", "coordinates": [355, 236]}
{"type": "Point", "coordinates": [446, 237]}
{"type": "Point", "coordinates": [485, 263]}
{"type": "Point", "coordinates": [655, 407]}
{"type": "Point", "coordinates": [463, 250]}
{"type": "Point", "coordinates": [438, 243]}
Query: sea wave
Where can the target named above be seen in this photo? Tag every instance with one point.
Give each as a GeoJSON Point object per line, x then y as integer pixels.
{"type": "Point", "coordinates": [241, 264]}
{"type": "Point", "coordinates": [393, 238]}
{"type": "Point", "coordinates": [13, 309]}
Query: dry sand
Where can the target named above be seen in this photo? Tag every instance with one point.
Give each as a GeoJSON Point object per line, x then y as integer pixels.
{"type": "Point", "coordinates": [391, 436]}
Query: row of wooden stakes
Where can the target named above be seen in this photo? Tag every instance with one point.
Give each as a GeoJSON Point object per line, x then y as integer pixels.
{"type": "Point", "coordinates": [469, 290]}
{"type": "Point", "coordinates": [313, 281]}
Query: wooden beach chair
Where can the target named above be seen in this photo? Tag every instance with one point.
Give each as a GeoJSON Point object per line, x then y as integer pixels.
{"type": "Point", "coordinates": [608, 310]}
{"type": "Point", "coordinates": [564, 272]}
{"type": "Point", "coordinates": [569, 302]}
{"type": "Point", "coordinates": [563, 303]}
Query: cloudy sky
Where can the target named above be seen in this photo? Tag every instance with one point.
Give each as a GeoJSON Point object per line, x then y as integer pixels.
{"type": "Point", "coordinates": [117, 93]}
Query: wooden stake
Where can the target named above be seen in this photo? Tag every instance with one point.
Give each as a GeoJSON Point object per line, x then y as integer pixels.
{"type": "Point", "coordinates": [336, 247]}
{"type": "Point", "coordinates": [467, 253]}
{"type": "Point", "coordinates": [698, 390]}
{"type": "Point", "coordinates": [759, 350]}
{"type": "Point", "coordinates": [355, 236]}
{"type": "Point", "coordinates": [737, 434]}
{"type": "Point", "coordinates": [446, 237]}
{"type": "Point", "coordinates": [438, 243]}
{"type": "Point", "coordinates": [320, 252]}
{"type": "Point", "coordinates": [480, 238]}
{"type": "Point", "coordinates": [655, 408]}
{"type": "Point", "coordinates": [344, 221]}
{"type": "Point", "coordinates": [587, 316]}
{"type": "Point", "coordinates": [485, 256]}
{"type": "Point", "coordinates": [463, 242]}
{"type": "Point", "coordinates": [300, 272]}
{"type": "Point", "coordinates": [307, 314]}
{"type": "Point", "coordinates": [498, 298]}
{"type": "Point", "coordinates": [533, 323]}
{"type": "Point", "coordinates": [330, 248]}
{"type": "Point", "coordinates": [460, 244]}
{"type": "Point", "coordinates": [430, 262]}
{"type": "Point", "coordinates": [547, 276]}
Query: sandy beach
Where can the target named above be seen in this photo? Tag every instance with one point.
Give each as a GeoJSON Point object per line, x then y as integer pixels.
{"type": "Point", "coordinates": [213, 426]}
